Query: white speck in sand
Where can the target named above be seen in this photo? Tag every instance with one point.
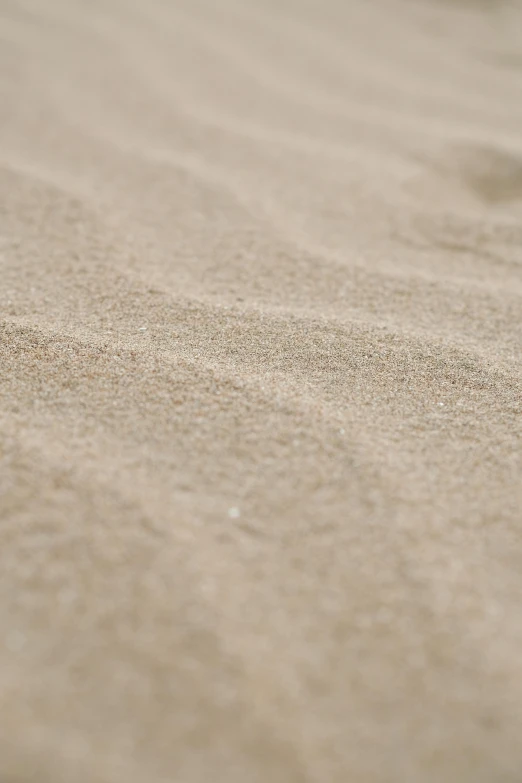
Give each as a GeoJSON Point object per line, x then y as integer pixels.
{"type": "Point", "coordinates": [341, 431]}
{"type": "Point", "coordinates": [440, 403]}
{"type": "Point", "coordinates": [234, 512]}
{"type": "Point", "coordinates": [142, 329]}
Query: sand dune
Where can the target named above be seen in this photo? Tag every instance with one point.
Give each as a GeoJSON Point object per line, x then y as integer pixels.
{"type": "Point", "coordinates": [260, 391]}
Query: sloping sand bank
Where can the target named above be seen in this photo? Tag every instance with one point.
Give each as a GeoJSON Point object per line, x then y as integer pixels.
{"type": "Point", "coordinates": [260, 388]}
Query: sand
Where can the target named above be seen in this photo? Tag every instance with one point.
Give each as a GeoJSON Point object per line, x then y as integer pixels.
{"type": "Point", "coordinates": [260, 391]}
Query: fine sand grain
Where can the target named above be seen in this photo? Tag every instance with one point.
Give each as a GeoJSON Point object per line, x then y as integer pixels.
{"type": "Point", "coordinates": [260, 391]}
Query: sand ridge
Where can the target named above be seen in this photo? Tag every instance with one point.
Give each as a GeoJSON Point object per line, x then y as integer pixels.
{"type": "Point", "coordinates": [260, 391]}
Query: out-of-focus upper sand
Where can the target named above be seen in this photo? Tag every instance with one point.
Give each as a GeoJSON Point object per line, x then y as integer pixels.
{"type": "Point", "coordinates": [260, 444]}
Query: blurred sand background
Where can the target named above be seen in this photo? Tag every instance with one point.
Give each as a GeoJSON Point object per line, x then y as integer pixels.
{"type": "Point", "coordinates": [260, 389]}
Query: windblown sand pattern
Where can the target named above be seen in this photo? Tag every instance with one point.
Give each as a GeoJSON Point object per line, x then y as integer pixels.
{"type": "Point", "coordinates": [260, 391]}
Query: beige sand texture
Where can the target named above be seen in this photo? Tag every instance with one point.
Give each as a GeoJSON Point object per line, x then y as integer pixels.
{"type": "Point", "coordinates": [260, 391]}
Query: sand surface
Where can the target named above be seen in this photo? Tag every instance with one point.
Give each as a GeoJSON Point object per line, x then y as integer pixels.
{"type": "Point", "coordinates": [260, 386]}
